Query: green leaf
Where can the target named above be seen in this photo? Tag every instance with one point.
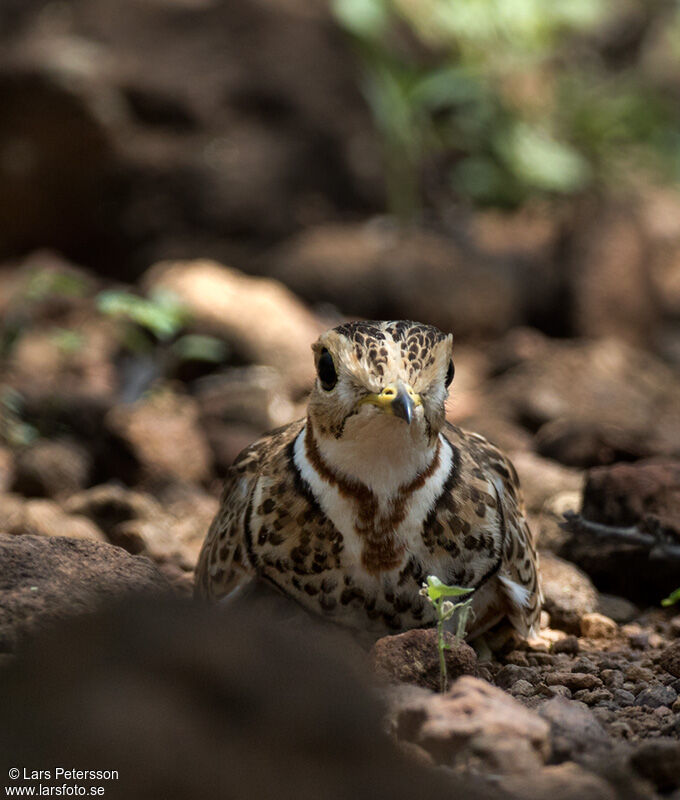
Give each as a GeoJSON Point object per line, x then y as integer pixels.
{"type": "Point", "coordinates": [367, 19]}
{"type": "Point", "coordinates": [437, 590]}
{"type": "Point", "coordinates": [673, 597]}
{"type": "Point", "coordinates": [163, 314]}
{"type": "Point", "coordinates": [541, 161]}
{"type": "Point", "coordinates": [193, 347]}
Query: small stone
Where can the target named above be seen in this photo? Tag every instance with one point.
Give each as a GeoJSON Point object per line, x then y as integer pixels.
{"type": "Point", "coordinates": [670, 659]}
{"type": "Point", "coordinates": [597, 626]}
{"type": "Point", "coordinates": [674, 626]}
{"type": "Point", "coordinates": [656, 695]}
{"type": "Point", "coordinates": [676, 706]}
{"type": "Point", "coordinates": [585, 665]}
{"type": "Point", "coordinates": [509, 674]}
{"type": "Point", "coordinates": [569, 593]}
{"type": "Point", "coordinates": [592, 696]}
{"type": "Point", "coordinates": [639, 641]}
{"type": "Point", "coordinates": [52, 468]}
{"type": "Point", "coordinates": [623, 698]}
{"type": "Point", "coordinates": [412, 657]}
{"type": "Point", "coordinates": [522, 688]}
{"type": "Point", "coordinates": [574, 729]}
{"type": "Point", "coordinates": [613, 678]}
{"type": "Point", "coordinates": [575, 681]}
{"type": "Point", "coordinates": [618, 608]}
{"type": "Point", "coordinates": [517, 657]}
{"type": "Point", "coordinates": [568, 645]}
{"type": "Point", "coordinates": [559, 691]}
{"type": "Point", "coordinates": [634, 672]}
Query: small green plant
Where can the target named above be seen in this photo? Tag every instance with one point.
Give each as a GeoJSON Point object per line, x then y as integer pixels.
{"type": "Point", "coordinates": [14, 432]}
{"type": "Point", "coordinates": [163, 316]}
{"type": "Point", "coordinates": [438, 594]}
{"type": "Point", "coordinates": [673, 597]}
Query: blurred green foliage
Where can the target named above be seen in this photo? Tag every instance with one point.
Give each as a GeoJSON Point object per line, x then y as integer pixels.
{"type": "Point", "coordinates": [164, 316]}
{"type": "Point", "coordinates": [510, 99]}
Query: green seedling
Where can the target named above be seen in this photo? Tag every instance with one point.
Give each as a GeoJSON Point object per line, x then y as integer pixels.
{"type": "Point", "coordinates": [673, 597]}
{"type": "Point", "coordinates": [438, 594]}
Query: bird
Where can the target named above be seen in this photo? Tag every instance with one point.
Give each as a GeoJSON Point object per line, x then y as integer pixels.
{"type": "Point", "coordinates": [348, 511]}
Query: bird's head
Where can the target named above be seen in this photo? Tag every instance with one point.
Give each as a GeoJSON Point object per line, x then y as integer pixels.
{"type": "Point", "coordinates": [386, 376]}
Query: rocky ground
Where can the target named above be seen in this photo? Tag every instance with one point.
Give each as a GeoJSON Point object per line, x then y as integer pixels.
{"type": "Point", "coordinates": [110, 474]}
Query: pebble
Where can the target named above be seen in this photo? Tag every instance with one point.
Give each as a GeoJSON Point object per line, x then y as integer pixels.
{"type": "Point", "coordinates": [623, 698]}
{"type": "Point", "coordinates": [567, 645]}
{"type": "Point", "coordinates": [639, 641]}
{"type": "Point", "coordinates": [613, 678]}
{"type": "Point", "coordinates": [592, 696]}
{"type": "Point", "coordinates": [585, 665]}
{"type": "Point", "coordinates": [522, 688]}
{"type": "Point", "coordinates": [575, 681]}
{"type": "Point", "coordinates": [656, 695]}
{"type": "Point", "coordinates": [597, 626]}
{"type": "Point", "coordinates": [634, 672]}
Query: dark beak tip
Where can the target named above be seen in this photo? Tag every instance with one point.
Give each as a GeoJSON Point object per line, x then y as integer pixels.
{"type": "Point", "coordinates": [402, 407]}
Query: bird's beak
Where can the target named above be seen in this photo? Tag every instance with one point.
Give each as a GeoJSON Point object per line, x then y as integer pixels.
{"type": "Point", "coordinates": [397, 399]}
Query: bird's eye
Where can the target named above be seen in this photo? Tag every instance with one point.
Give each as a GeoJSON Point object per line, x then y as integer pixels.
{"type": "Point", "coordinates": [449, 374]}
{"type": "Point", "coordinates": [325, 369]}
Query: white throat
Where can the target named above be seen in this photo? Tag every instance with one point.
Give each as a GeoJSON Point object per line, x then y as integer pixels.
{"type": "Point", "coordinates": [381, 451]}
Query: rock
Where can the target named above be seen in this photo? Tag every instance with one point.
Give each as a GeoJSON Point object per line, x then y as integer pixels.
{"type": "Point", "coordinates": [228, 302]}
{"type": "Point", "coordinates": [52, 468]}
{"type": "Point", "coordinates": [629, 494]}
{"type": "Point", "coordinates": [674, 626]}
{"type": "Point", "coordinates": [375, 271]}
{"type": "Point", "coordinates": [46, 518]}
{"type": "Point", "coordinates": [105, 682]}
{"type": "Point", "coordinates": [659, 762]}
{"type": "Point", "coordinates": [608, 267]}
{"type": "Point", "coordinates": [656, 695]}
{"type": "Point", "coordinates": [602, 380]}
{"type": "Point", "coordinates": [574, 730]}
{"type": "Point", "coordinates": [573, 680]}
{"type": "Point", "coordinates": [252, 396]}
{"type": "Point", "coordinates": [109, 505]}
{"type": "Point", "coordinates": [522, 688]}
{"type": "Point", "coordinates": [589, 443]}
{"type": "Point", "coordinates": [163, 431]}
{"type": "Point", "coordinates": [617, 608]}
{"type": "Point", "coordinates": [560, 782]}
{"type": "Point", "coordinates": [541, 478]}
{"type": "Point", "coordinates": [623, 698]}
{"type": "Point", "coordinates": [670, 659]}
{"type": "Point", "coordinates": [568, 645]}
{"type": "Point", "coordinates": [171, 531]}
{"type": "Point", "coordinates": [43, 579]}
{"type": "Point", "coordinates": [568, 593]}
{"type": "Point", "coordinates": [597, 626]}
{"type": "Point", "coordinates": [509, 674]}
{"type": "Point", "coordinates": [476, 721]}
{"type": "Point", "coordinates": [413, 657]}
{"type": "Point", "coordinates": [645, 494]}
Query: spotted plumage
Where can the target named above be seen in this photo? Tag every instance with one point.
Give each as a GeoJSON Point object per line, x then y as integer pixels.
{"type": "Point", "coordinates": [350, 509]}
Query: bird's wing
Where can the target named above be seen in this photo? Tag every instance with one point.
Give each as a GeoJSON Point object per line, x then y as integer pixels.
{"type": "Point", "coordinates": [223, 563]}
{"type": "Point", "coordinates": [518, 573]}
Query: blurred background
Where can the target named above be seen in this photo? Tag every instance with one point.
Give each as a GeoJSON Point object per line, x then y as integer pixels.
{"type": "Point", "coordinates": [191, 190]}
